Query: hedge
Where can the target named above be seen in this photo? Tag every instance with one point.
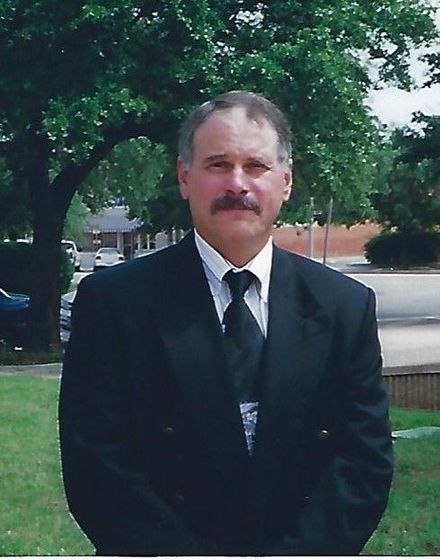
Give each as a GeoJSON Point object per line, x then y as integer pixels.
{"type": "Point", "coordinates": [397, 248]}
{"type": "Point", "coordinates": [15, 268]}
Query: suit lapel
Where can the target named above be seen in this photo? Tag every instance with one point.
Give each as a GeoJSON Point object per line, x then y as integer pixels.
{"type": "Point", "coordinates": [193, 337]}
{"type": "Point", "coordinates": [296, 354]}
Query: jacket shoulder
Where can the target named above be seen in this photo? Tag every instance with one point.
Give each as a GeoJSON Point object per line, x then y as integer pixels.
{"type": "Point", "coordinates": [319, 277]}
{"type": "Point", "coordinates": [148, 275]}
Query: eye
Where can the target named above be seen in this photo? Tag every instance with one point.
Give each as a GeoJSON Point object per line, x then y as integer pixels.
{"type": "Point", "coordinates": [257, 165]}
{"type": "Point", "coordinates": [219, 165]}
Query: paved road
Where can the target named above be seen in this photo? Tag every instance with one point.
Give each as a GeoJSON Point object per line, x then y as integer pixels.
{"type": "Point", "coordinates": [405, 297]}
{"type": "Point", "coordinates": [411, 345]}
{"type": "Point", "coordinates": [409, 317]}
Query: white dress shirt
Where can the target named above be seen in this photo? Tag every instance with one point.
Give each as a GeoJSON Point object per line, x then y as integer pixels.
{"type": "Point", "coordinates": [256, 298]}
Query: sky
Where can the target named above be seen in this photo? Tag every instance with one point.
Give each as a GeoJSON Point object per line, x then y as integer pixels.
{"type": "Point", "coordinates": [394, 106]}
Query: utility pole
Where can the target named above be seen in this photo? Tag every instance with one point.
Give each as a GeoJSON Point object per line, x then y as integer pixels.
{"type": "Point", "coordinates": [311, 240]}
{"type": "Point", "coordinates": [327, 228]}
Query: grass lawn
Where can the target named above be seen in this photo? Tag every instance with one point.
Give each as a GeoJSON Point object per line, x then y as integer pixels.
{"type": "Point", "coordinates": [34, 519]}
{"type": "Point", "coordinates": [33, 516]}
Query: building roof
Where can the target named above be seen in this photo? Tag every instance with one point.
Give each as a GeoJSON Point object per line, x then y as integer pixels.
{"type": "Point", "coordinates": [111, 220]}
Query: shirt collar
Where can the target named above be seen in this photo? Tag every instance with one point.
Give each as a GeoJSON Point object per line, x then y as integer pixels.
{"type": "Point", "coordinates": [217, 266]}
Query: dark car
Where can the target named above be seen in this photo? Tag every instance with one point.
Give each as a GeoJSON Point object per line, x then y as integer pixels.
{"type": "Point", "coordinates": [14, 309]}
{"type": "Point", "coordinates": [65, 315]}
{"type": "Point", "coordinates": [13, 317]}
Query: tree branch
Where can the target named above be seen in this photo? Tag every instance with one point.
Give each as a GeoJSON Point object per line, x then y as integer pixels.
{"type": "Point", "coordinates": [68, 180]}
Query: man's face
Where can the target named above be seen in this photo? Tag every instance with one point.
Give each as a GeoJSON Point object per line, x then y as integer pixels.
{"type": "Point", "coordinates": [235, 184]}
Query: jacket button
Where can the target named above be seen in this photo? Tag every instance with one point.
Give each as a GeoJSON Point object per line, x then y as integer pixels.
{"type": "Point", "coordinates": [169, 430]}
{"type": "Point", "coordinates": [323, 435]}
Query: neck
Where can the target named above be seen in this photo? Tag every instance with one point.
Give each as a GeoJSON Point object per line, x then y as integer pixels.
{"type": "Point", "coordinates": [238, 252]}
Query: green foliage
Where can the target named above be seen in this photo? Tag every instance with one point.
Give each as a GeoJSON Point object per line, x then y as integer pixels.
{"type": "Point", "coordinates": [398, 248]}
{"type": "Point", "coordinates": [106, 71]}
{"type": "Point", "coordinates": [15, 213]}
{"type": "Point", "coordinates": [13, 357]}
{"type": "Point", "coordinates": [409, 200]}
{"type": "Point", "coordinates": [167, 209]}
{"type": "Point", "coordinates": [132, 171]}
{"type": "Point", "coordinates": [307, 56]}
{"type": "Point", "coordinates": [16, 268]}
{"type": "Point", "coordinates": [75, 219]}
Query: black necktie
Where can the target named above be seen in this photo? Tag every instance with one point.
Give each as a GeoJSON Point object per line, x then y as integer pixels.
{"type": "Point", "coordinates": [243, 338]}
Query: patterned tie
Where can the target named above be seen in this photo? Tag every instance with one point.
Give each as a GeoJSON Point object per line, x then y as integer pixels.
{"type": "Point", "coordinates": [243, 338]}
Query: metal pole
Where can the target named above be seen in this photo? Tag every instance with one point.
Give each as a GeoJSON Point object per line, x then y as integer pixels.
{"type": "Point", "coordinates": [327, 228]}
{"type": "Point", "coordinates": [311, 241]}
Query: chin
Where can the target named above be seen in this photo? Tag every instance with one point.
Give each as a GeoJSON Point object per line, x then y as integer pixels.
{"type": "Point", "coordinates": [243, 232]}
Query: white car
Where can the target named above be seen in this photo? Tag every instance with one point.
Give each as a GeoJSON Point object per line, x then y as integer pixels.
{"type": "Point", "coordinates": [72, 252]}
{"type": "Point", "coordinates": [107, 256]}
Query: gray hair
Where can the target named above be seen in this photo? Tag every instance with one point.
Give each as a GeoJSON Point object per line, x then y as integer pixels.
{"type": "Point", "coordinates": [257, 108]}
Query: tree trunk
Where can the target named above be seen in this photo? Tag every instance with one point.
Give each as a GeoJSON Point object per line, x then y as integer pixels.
{"type": "Point", "coordinates": [43, 332]}
{"type": "Point", "coordinates": [48, 220]}
{"type": "Point", "coordinates": [49, 204]}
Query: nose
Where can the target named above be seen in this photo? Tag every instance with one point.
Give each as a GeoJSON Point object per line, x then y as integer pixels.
{"type": "Point", "coordinates": [237, 183]}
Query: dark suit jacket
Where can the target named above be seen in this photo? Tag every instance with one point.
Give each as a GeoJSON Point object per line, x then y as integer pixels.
{"type": "Point", "coordinates": [153, 451]}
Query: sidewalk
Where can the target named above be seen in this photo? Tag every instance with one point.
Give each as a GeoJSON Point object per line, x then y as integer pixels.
{"type": "Point", "coordinates": [44, 370]}
{"type": "Point", "coordinates": [358, 264]}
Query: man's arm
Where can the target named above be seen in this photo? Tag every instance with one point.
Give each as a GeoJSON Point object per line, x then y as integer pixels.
{"type": "Point", "coordinates": [107, 490]}
{"type": "Point", "coordinates": [346, 505]}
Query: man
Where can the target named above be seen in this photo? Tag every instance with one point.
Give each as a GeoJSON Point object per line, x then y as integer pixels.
{"type": "Point", "coordinates": [202, 418]}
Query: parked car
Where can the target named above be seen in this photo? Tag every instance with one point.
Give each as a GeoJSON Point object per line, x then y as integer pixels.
{"type": "Point", "coordinates": [14, 311]}
{"type": "Point", "coordinates": [107, 256]}
{"type": "Point", "coordinates": [65, 315]}
{"type": "Point", "coordinates": [72, 252]}
{"type": "Point", "coordinates": [13, 317]}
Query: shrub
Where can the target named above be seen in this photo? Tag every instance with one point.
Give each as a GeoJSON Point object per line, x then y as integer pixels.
{"type": "Point", "coordinates": [397, 248]}
{"type": "Point", "coordinates": [15, 268]}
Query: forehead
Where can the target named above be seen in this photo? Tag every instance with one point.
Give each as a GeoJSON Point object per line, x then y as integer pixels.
{"type": "Point", "coordinates": [231, 132]}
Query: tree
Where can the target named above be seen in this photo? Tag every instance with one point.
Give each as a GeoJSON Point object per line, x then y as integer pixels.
{"type": "Point", "coordinates": [89, 75]}
{"type": "Point", "coordinates": [14, 206]}
{"type": "Point", "coordinates": [408, 204]}
{"type": "Point", "coordinates": [409, 201]}
{"type": "Point", "coordinates": [132, 172]}
{"type": "Point", "coordinates": [308, 57]}
{"type": "Point", "coordinates": [75, 220]}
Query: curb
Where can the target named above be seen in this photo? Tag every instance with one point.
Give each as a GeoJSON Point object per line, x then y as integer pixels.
{"type": "Point", "coordinates": [371, 269]}
{"type": "Point", "coordinates": [54, 369]}
{"type": "Point", "coordinates": [411, 369]}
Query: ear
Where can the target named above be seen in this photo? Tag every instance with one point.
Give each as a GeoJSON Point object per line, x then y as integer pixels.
{"type": "Point", "coordinates": [288, 181]}
{"type": "Point", "coordinates": [182, 176]}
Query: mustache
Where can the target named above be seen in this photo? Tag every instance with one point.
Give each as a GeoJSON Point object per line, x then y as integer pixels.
{"type": "Point", "coordinates": [229, 202]}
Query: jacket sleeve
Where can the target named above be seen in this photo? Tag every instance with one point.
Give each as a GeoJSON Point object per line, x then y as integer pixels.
{"type": "Point", "coordinates": [106, 488]}
{"type": "Point", "coordinates": [350, 497]}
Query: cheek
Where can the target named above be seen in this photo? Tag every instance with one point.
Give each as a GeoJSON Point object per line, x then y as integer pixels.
{"type": "Point", "coordinates": [209, 185]}
{"type": "Point", "coordinates": [271, 194]}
